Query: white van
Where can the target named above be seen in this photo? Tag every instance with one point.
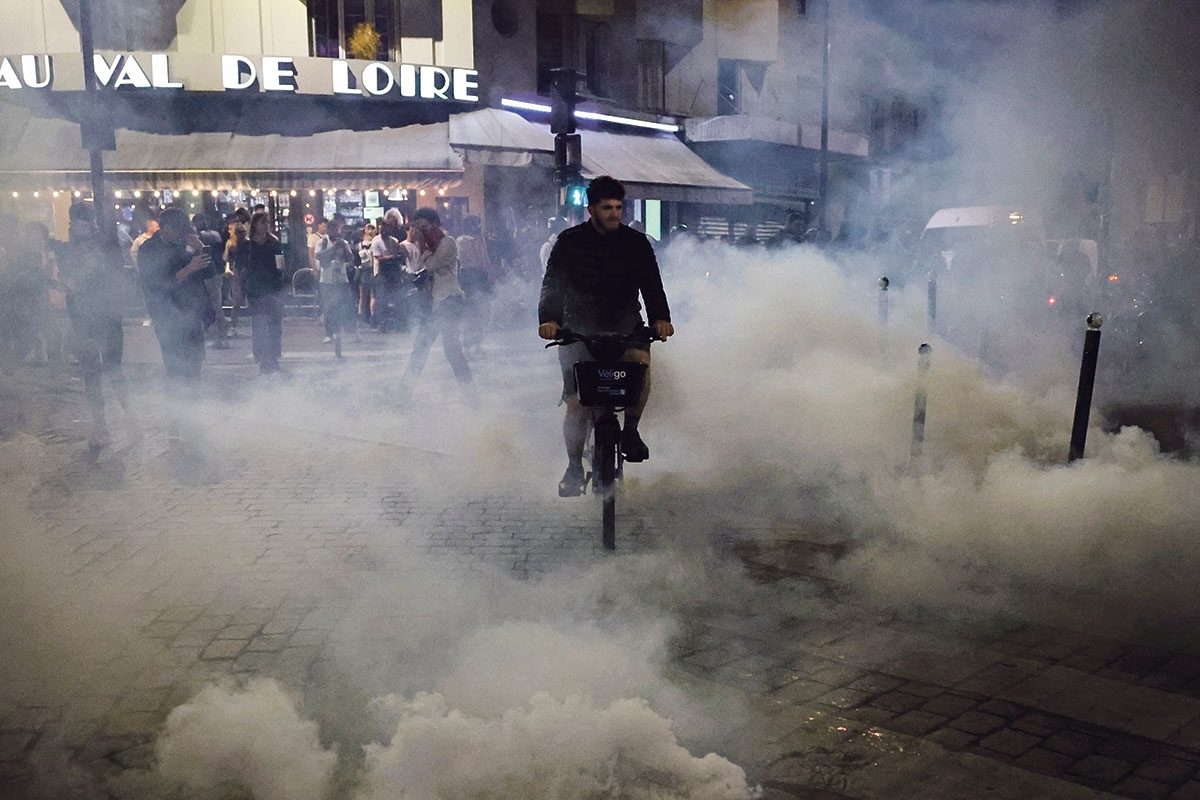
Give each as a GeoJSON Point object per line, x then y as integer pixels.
{"type": "Point", "coordinates": [951, 230]}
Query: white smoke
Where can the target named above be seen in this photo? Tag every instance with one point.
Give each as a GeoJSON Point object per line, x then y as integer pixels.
{"type": "Point", "coordinates": [253, 738]}
{"type": "Point", "coordinates": [813, 411]}
{"type": "Point", "coordinates": [555, 748]}
{"type": "Point", "coordinates": [552, 748]}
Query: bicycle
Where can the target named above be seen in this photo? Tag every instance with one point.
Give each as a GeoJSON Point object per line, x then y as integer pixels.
{"type": "Point", "coordinates": [607, 385]}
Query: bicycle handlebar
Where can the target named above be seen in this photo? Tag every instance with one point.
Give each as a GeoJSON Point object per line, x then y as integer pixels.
{"type": "Point", "coordinates": [641, 335]}
{"type": "Point", "coordinates": [606, 346]}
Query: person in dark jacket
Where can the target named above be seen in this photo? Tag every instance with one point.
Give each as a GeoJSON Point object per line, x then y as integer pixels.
{"type": "Point", "coordinates": [594, 275]}
{"type": "Point", "coordinates": [172, 267]}
{"type": "Point", "coordinates": [262, 282]}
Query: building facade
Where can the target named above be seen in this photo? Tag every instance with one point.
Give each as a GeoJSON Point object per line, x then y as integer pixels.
{"type": "Point", "coordinates": [361, 105]}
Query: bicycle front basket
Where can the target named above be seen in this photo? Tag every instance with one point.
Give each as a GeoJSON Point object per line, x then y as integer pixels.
{"type": "Point", "coordinates": [609, 383]}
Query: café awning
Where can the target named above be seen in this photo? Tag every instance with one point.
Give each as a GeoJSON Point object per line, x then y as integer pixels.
{"type": "Point", "coordinates": [656, 167]}
{"type": "Point", "coordinates": [659, 167]}
{"type": "Point", "coordinates": [43, 153]}
{"type": "Point", "coordinates": [494, 137]}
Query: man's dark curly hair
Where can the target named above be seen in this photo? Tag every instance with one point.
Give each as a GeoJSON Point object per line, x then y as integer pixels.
{"type": "Point", "coordinates": [605, 187]}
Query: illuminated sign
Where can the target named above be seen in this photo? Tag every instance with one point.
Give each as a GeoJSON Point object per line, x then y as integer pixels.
{"type": "Point", "coordinates": [235, 73]}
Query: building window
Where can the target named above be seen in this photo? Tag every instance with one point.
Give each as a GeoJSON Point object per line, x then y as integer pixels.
{"type": "Point", "coordinates": [593, 43]}
{"type": "Point", "coordinates": [651, 70]}
{"type": "Point", "coordinates": [370, 29]}
{"type": "Point", "coordinates": [729, 87]}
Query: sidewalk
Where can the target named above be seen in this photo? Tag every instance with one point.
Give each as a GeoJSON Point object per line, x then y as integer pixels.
{"type": "Point", "coordinates": [312, 533]}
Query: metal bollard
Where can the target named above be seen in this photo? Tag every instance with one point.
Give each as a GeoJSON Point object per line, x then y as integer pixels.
{"type": "Point", "coordinates": [924, 353]}
{"type": "Point", "coordinates": [931, 302]}
{"type": "Point", "coordinates": [1087, 380]}
{"type": "Point", "coordinates": [883, 300]}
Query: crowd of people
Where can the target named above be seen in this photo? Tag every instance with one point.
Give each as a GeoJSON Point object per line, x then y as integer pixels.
{"type": "Point", "coordinates": [197, 278]}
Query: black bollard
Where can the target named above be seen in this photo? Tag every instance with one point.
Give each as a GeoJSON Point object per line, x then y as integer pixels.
{"type": "Point", "coordinates": [931, 302]}
{"type": "Point", "coordinates": [924, 353]}
{"type": "Point", "coordinates": [883, 300]}
{"type": "Point", "coordinates": [1087, 380]}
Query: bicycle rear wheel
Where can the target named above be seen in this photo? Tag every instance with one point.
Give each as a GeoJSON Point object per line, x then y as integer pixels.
{"type": "Point", "coordinates": [604, 464]}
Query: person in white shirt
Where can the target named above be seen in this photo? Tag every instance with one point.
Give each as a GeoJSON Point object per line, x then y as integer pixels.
{"type": "Point", "coordinates": [389, 259]}
{"type": "Point", "coordinates": [334, 255]}
{"type": "Point", "coordinates": [314, 237]}
{"type": "Point", "coordinates": [439, 262]}
{"type": "Point", "coordinates": [150, 227]}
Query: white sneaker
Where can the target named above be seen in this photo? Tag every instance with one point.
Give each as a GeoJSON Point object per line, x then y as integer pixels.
{"type": "Point", "coordinates": [328, 339]}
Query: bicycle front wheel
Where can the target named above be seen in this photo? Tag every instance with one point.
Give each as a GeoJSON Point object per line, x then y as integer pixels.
{"type": "Point", "coordinates": [605, 467]}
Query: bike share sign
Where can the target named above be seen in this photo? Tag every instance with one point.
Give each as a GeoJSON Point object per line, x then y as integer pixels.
{"type": "Point", "coordinates": [235, 73]}
{"type": "Point", "coordinates": [600, 382]}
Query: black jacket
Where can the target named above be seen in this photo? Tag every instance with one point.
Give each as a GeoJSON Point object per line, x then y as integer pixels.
{"type": "Point", "coordinates": [158, 263]}
{"type": "Point", "coordinates": [260, 275]}
{"type": "Point", "coordinates": [592, 281]}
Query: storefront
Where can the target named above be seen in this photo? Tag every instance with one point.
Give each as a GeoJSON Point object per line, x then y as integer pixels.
{"type": "Point", "coordinates": [782, 163]}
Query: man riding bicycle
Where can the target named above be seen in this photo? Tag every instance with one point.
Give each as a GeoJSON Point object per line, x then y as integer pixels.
{"type": "Point", "coordinates": [595, 272]}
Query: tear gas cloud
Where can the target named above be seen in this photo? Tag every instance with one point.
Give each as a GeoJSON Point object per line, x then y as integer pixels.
{"type": "Point", "coordinates": [782, 401]}
{"type": "Point", "coordinates": [787, 402]}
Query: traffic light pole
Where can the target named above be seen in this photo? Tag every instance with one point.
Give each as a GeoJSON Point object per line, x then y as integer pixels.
{"type": "Point", "coordinates": [97, 134]}
{"type": "Point", "coordinates": [568, 157]}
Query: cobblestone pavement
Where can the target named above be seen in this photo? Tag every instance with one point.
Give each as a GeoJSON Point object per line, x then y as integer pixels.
{"type": "Point", "coordinates": [259, 542]}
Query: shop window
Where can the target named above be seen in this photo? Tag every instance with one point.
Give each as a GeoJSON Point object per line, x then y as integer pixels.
{"type": "Point", "coordinates": [729, 87]}
{"type": "Point", "coordinates": [651, 61]}
{"type": "Point", "coordinates": [370, 29]}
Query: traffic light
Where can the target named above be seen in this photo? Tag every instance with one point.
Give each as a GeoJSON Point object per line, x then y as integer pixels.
{"type": "Point", "coordinates": [568, 157]}
{"type": "Point", "coordinates": [563, 98]}
{"type": "Point", "coordinates": [577, 194]}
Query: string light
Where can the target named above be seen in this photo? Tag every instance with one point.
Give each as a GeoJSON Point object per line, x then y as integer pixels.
{"type": "Point", "coordinates": [311, 193]}
{"type": "Point", "coordinates": [78, 193]}
{"type": "Point", "coordinates": [441, 192]}
{"type": "Point", "coordinates": [117, 193]}
{"type": "Point", "coordinates": [137, 193]}
{"type": "Point", "coordinates": [422, 193]}
{"type": "Point", "coordinates": [293, 193]}
{"type": "Point", "coordinates": [56, 192]}
{"type": "Point", "coordinates": [15, 194]}
{"type": "Point", "coordinates": [37, 194]}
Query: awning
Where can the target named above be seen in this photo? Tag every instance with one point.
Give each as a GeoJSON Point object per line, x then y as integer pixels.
{"type": "Point", "coordinates": [659, 168]}
{"type": "Point", "coordinates": [747, 127]}
{"type": "Point", "coordinates": [45, 153]}
{"type": "Point", "coordinates": [42, 153]}
{"type": "Point", "coordinates": [651, 167]}
{"type": "Point", "coordinates": [497, 138]}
